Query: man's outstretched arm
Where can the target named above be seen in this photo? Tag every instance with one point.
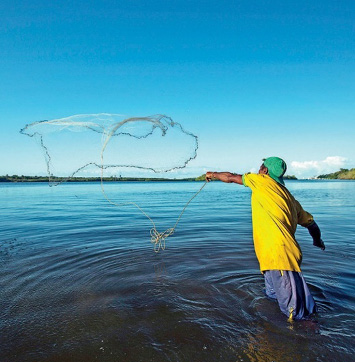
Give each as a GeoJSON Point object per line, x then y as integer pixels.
{"type": "Point", "coordinates": [224, 177]}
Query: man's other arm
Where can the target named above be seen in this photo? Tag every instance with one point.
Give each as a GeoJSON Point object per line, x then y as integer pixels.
{"type": "Point", "coordinates": [306, 220]}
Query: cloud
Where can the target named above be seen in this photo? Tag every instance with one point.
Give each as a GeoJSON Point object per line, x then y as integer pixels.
{"type": "Point", "coordinates": [305, 169]}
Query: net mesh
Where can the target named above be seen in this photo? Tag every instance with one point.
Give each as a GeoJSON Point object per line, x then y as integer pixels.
{"type": "Point", "coordinates": [105, 144]}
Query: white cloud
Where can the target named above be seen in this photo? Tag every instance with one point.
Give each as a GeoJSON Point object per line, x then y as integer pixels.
{"type": "Point", "coordinates": [304, 169]}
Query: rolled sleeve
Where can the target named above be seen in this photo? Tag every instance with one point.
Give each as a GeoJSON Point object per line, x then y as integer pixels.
{"type": "Point", "coordinates": [249, 180]}
{"type": "Point", "coordinates": [244, 180]}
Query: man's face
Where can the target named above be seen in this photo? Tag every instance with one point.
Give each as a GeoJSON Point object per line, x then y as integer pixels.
{"type": "Point", "coordinates": [263, 169]}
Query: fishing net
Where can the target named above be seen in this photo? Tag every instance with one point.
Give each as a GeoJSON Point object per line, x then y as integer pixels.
{"type": "Point", "coordinates": [106, 144]}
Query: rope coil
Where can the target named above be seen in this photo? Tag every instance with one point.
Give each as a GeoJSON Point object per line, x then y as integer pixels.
{"type": "Point", "coordinates": [158, 239]}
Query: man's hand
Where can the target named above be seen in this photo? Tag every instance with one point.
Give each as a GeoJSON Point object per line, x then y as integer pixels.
{"type": "Point", "coordinates": [314, 231]}
{"type": "Point", "coordinates": [319, 243]}
{"type": "Point", "coordinates": [209, 176]}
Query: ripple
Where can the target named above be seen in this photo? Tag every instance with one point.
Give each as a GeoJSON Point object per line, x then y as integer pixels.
{"type": "Point", "coordinates": [80, 280]}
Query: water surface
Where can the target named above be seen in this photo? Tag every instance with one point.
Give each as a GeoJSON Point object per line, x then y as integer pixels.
{"type": "Point", "coordinates": [80, 281]}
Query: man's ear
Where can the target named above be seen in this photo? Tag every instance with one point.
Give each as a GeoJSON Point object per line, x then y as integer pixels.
{"type": "Point", "coordinates": [265, 171]}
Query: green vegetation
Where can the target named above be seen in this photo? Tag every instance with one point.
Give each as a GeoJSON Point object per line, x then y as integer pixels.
{"type": "Point", "coordinates": [201, 178]}
{"type": "Point", "coordinates": [343, 174]}
{"type": "Point", "coordinates": [22, 178]}
{"type": "Point", "coordinates": [290, 177]}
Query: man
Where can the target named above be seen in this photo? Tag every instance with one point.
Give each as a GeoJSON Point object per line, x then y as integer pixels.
{"type": "Point", "coordinates": [275, 215]}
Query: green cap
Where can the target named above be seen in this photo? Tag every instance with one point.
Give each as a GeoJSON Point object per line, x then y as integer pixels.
{"type": "Point", "coordinates": [276, 168]}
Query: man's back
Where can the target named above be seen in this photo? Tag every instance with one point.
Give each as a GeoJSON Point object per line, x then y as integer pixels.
{"type": "Point", "coordinates": [275, 214]}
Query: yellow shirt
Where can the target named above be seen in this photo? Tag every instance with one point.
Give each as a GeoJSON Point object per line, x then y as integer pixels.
{"type": "Point", "coordinates": [275, 215]}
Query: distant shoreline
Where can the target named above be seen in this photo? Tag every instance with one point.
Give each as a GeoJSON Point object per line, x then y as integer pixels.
{"type": "Point", "coordinates": [90, 179]}
{"type": "Point", "coordinates": [55, 179]}
{"type": "Point", "coordinates": [343, 174]}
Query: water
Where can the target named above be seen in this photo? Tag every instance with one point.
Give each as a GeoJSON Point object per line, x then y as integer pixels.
{"type": "Point", "coordinates": [80, 281]}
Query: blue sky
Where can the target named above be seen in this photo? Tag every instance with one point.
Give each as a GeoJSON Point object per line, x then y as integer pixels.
{"type": "Point", "coordinates": [251, 78]}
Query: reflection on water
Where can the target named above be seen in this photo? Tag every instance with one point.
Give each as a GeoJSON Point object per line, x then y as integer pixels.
{"type": "Point", "coordinates": [80, 281]}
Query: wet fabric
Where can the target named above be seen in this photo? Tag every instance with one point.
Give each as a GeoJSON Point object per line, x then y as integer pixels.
{"type": "Point", "coordinates": [290, 290]}
{"type": "Point", "coordinates": [275, 215]}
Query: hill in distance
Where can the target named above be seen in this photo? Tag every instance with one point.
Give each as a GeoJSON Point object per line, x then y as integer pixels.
{"type": "Point", "coordinates": [343, 174]}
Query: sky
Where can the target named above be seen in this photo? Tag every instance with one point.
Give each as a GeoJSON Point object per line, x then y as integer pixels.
{"type": "Point", "coordinates": [251, 79]}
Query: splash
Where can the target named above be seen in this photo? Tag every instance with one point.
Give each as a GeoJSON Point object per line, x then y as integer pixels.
{"type": "Point", "coordinates": [84, 144]}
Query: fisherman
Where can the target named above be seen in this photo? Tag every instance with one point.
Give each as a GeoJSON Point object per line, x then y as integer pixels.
{"type": "Point", "coordinates": [275, 215]}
